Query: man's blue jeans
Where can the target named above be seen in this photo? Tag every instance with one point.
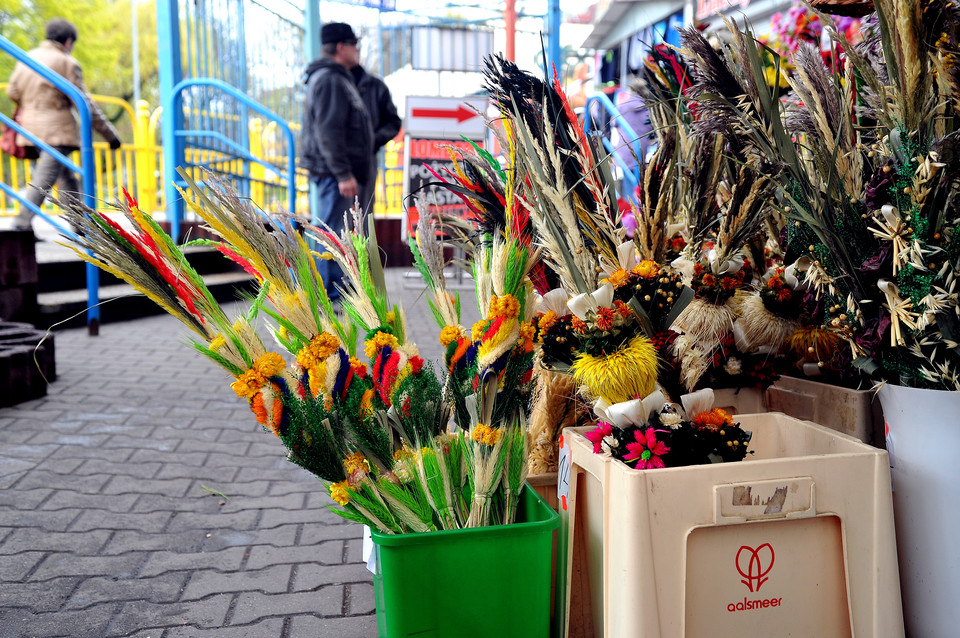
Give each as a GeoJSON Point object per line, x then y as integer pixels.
{"type": "Point", "coordinates": [333, 205]}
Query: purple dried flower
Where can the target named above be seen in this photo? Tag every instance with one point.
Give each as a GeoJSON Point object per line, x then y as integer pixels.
{"type": "Point", "coordinates": [878, 260]}
{"type": "Point", "coordinates": [877, 190]}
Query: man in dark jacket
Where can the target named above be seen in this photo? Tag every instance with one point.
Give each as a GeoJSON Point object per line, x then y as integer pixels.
{"type": "Point", "coordinates": [337, 141]}
{"type": "Point", "coordinates": [383, 112]}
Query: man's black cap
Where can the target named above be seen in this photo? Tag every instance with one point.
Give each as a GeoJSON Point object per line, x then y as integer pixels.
{"type": "Point", "coordinates": [335, 32]}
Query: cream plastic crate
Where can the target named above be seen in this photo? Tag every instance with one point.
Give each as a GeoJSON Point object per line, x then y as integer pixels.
{"type": "Point", "coordinates": [740, 400]}
{"type": "Point", "coordinates": [853, 412]}
{"type": "Point", "coordinates": [796, 541]}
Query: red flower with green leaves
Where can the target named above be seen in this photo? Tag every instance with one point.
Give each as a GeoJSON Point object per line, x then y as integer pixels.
{"type": "Point", "coordinates": [597, 435]}
{"type": "Point", "coordinates": [647, 450]}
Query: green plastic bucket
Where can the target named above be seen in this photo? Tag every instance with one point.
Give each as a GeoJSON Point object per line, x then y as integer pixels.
{"type": "Point", "coordinates": [483, 582]}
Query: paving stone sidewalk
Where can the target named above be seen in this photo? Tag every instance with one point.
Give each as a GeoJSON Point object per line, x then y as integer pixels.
{"type": "Point", "coordinates": [140, 498]}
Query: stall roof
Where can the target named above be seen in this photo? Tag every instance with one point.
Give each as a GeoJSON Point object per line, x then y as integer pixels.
{"type": "Point", "coordinates": [623, 18]}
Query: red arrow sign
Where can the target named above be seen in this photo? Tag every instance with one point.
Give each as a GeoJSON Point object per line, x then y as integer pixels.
{"type": "Point", "coordinates": [461, 113]}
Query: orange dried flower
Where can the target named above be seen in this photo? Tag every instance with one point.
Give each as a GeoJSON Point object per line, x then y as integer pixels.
{"type": "Point", "coordinates": [648, 269]}
{"type": "Point", "coordinates": [618, 278]}
{"type": "Point", "coordinates": [605, 318]}
{"type": "Point", "coordinates": [547, 320]}
{"type": "Point", "coordinates": [714, 419]}
{"type": "Point", "coordinates": [578, 325]}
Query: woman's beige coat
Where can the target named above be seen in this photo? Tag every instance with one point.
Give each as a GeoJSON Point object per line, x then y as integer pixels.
{"type": "Point", "coordinates": [44, 110]}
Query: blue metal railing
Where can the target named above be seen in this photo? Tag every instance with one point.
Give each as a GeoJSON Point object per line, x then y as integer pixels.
{"type": "Point", "coordinates": [86, 168]}
{"type": "Point", "coordinates": [631, 175]}
{"type": "Point", "coordinates": [171, 105]}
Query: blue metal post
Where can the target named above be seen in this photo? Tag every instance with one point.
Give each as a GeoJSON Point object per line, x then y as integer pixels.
{"type": "Point", "coordinates": [244, 85]}
{"type": "Point", "coordinates": [553, 40]}
{"type": "Point", "coordinates": [171, 72]}
{"type": "Point", "coordinates": [311, 47]}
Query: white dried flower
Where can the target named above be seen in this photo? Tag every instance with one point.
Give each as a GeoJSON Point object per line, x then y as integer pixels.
{"type": "Point", "coordinates": [733, 366]}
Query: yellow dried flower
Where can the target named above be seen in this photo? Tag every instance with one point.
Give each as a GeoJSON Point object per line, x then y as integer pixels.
{"type": "Point", "coordinates": [218, 342]}
{"type": "Point", "coordinates": [547, 320]}
{"type": "Point", "coordinates": [390, 318]}
{"type": "Point", "coordinates": [478, 330]}
{"type": "Point", "coordinates": [527, 331]}
{"type": "Point", "coordinates": [506, 306]}
{"type": "Point", "coordinates": [251, 381]}
{"type": "Point", "coordinates": [269, 364]}
{"type": "Point", "coordinates": [627, 373]}
{"type": "Point", "coordinates": [325, 344]}
{"type": "Point", "coordinates": [449, 334]}
{"type": "Point", "coordinates": [372, 346]}
{"type": "Point", "coordinates": [320, 347]}
{"type": "Point", "coordinates": [647, 269]}
{"type": "Point", "coordinates": [247, 384]}
{"type": "Point", "coordinates": [479, 431]}
{"type": "Point", "coordinates": [340, 492]}
{"type": "Point", "coordinates": [356, 462]}
{"type": "Point", "coordinates": [485, 435]}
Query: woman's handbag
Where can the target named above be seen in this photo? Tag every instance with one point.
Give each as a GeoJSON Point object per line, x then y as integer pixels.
{"type": "Point", "coordinates": [8, 142]}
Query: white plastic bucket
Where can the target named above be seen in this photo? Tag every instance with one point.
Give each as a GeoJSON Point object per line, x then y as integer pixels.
{"type": "Point", "coordinates": [923, 443]}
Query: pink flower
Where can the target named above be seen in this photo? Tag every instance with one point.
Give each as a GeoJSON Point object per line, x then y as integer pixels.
{"type": "Point", "coordinates": [629, 223]}
{"type": "Point", "coordinates": [647, 450]}
{"type": "Point", "coordinates": [597, 435]}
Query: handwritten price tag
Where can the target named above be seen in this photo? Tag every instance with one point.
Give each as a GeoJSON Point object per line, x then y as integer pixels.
{"type": "Point", "coordinates": [368, 555]}
{"type": "Point", "coordinates": [563, 473]}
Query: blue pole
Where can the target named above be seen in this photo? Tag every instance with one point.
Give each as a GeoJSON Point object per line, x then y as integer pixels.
{"type": "Point", "coordinates": [553, 40]}
{"type": "Point", "coordinates": [90, 197]}
{"type": "Point", "coordinates": [311, 46]}
{"type": "Point", "coordinates": [168, 53]}
{"type": "Point", "coordinates": [243, 85]}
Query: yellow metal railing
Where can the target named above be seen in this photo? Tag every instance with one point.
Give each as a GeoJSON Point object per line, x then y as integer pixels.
{"type": "Point", "coordinates": [137, 167]}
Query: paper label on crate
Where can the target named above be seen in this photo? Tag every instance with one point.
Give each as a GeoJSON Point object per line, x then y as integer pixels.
{"type": "Point", "coordinates": [563, 473]}
{"type": "Point", "coordinates": [765, 499]}
{"type": "Point", "coordinates": [368, 556]}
